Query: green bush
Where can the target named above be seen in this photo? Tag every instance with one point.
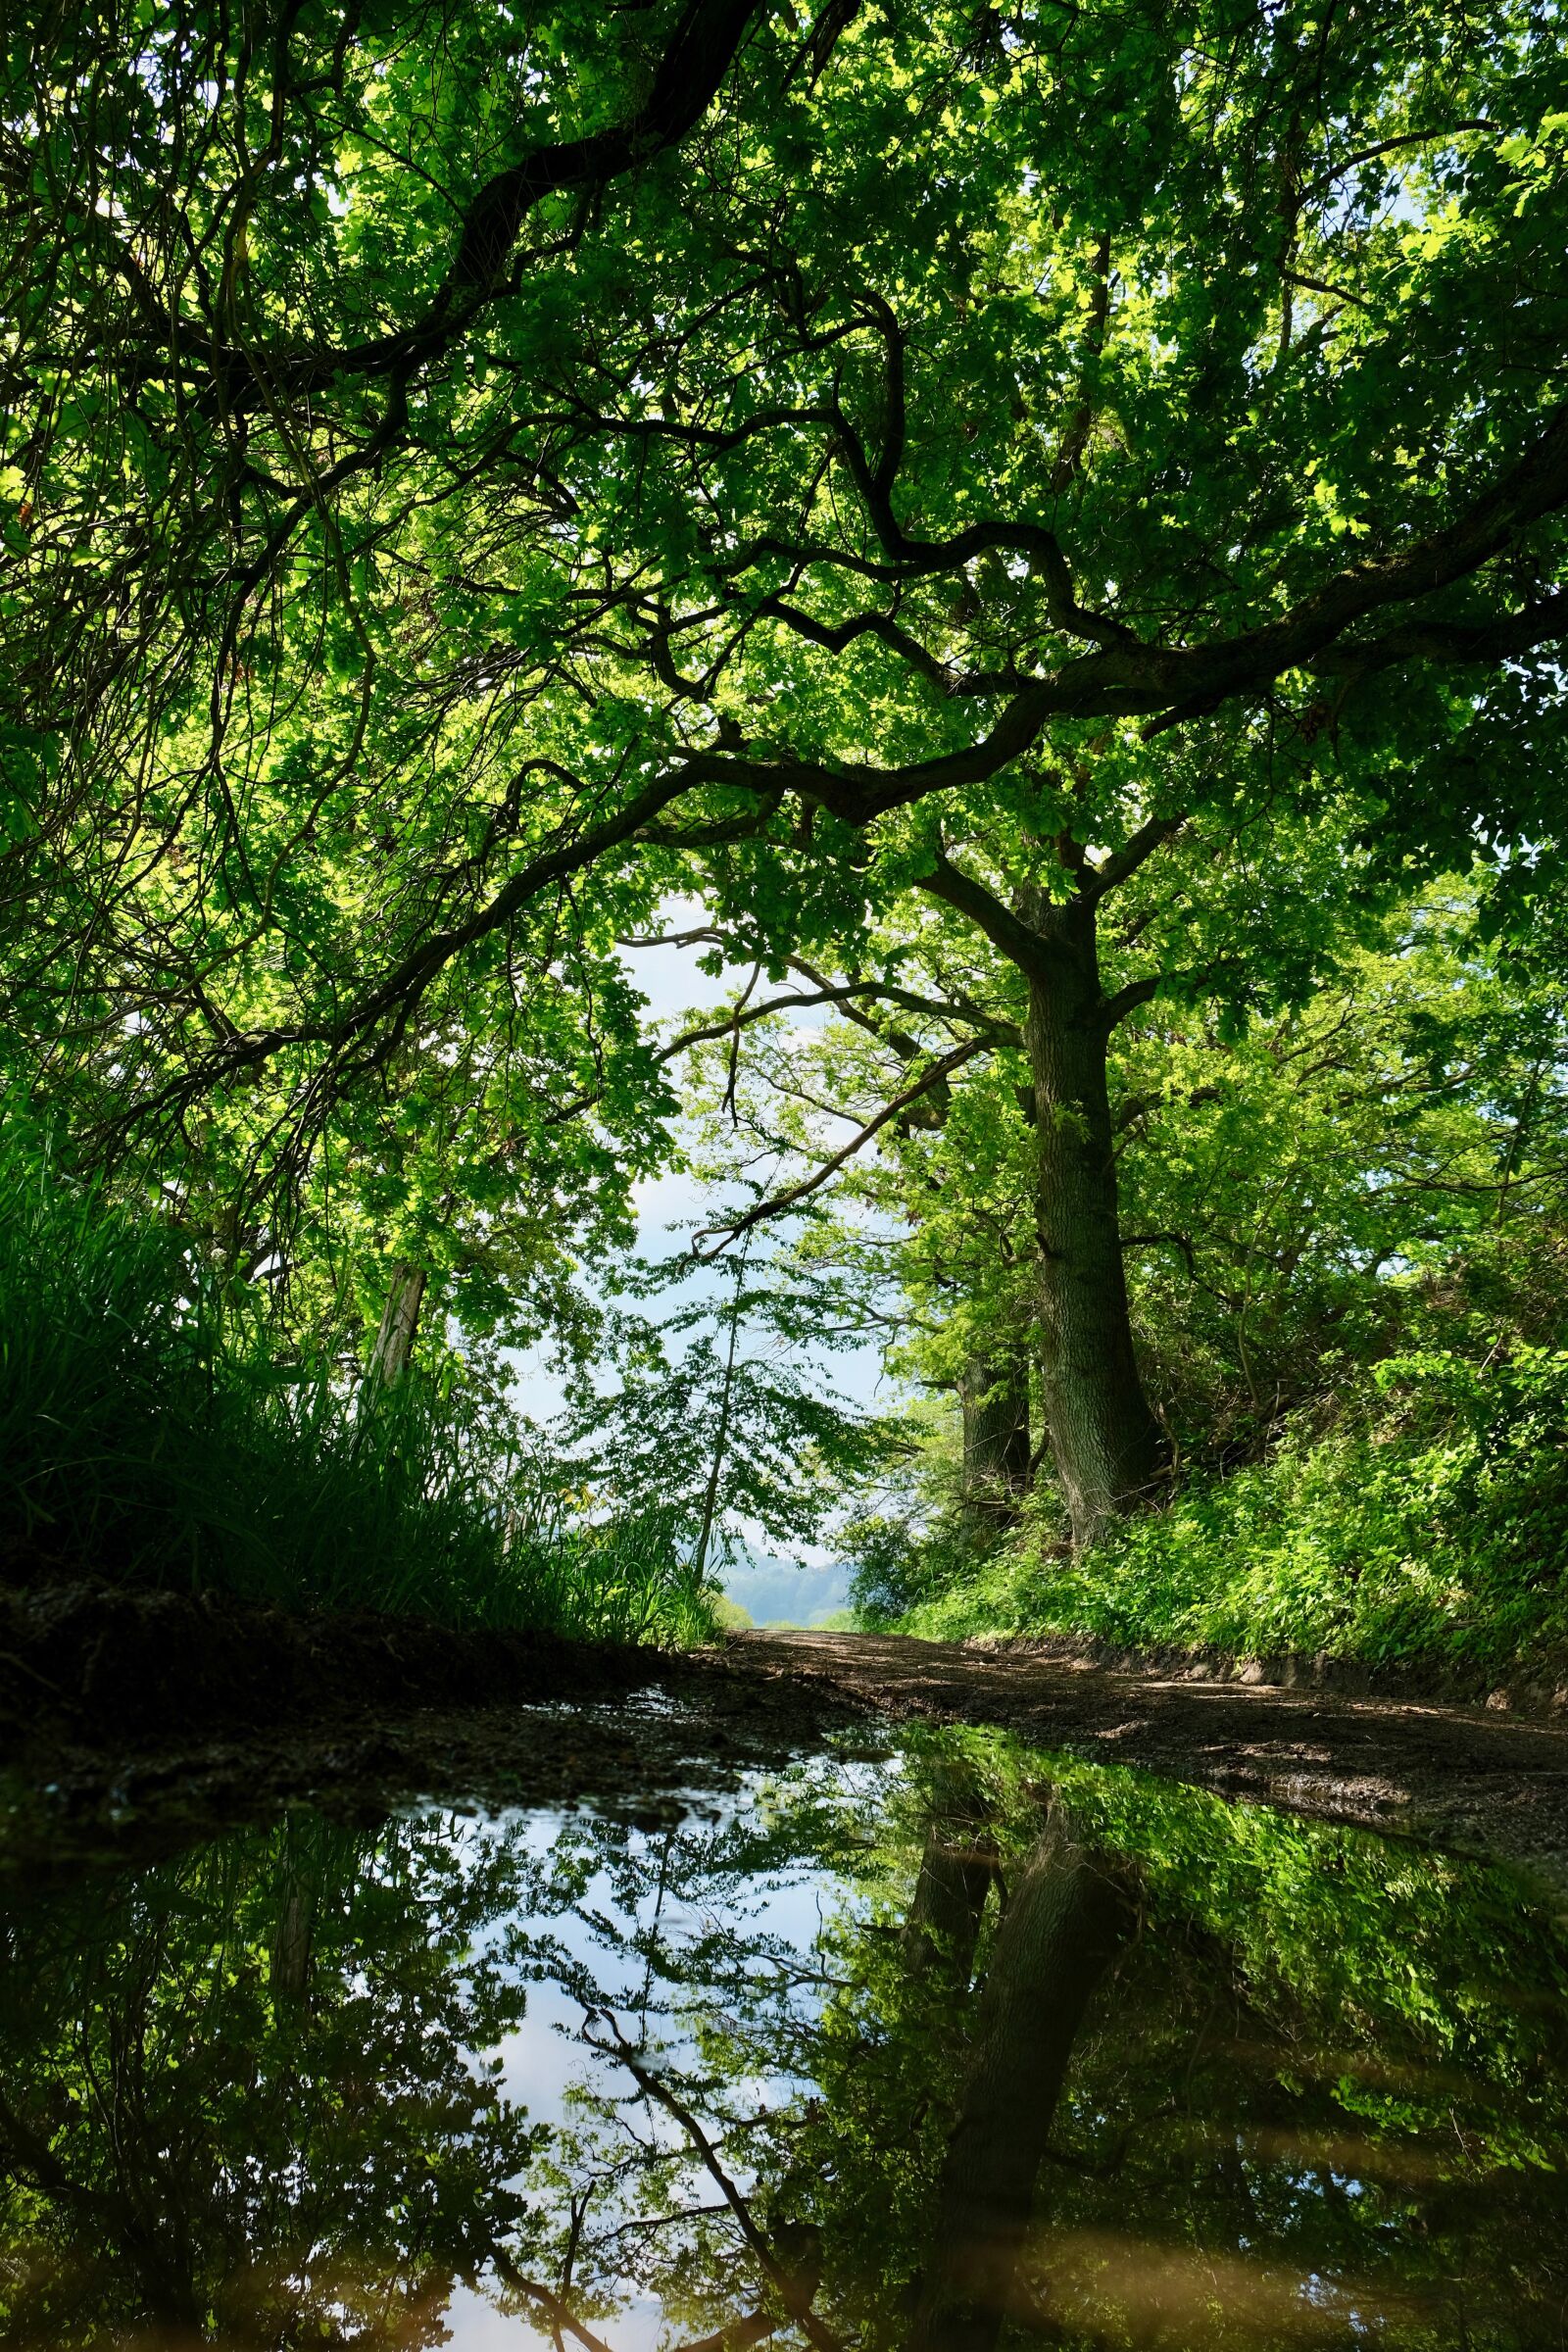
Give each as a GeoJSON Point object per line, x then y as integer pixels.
{"type": "Point", "coordinates": [1428, 1527]}
{"type": "Point", "coordinates": [150, 1431]}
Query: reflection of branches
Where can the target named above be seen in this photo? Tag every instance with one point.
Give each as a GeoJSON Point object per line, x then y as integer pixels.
{"type": "Point", "coordinates": [562, 2317]}
{"type": "Point", "coordinates": [755, 2329]}
{"type": "Point", "coordinates": [660, 2221]}
{"type": "Point", "coordinates": [793, 2291]}
{"type": "Point", "coordinates": [734, 2336]}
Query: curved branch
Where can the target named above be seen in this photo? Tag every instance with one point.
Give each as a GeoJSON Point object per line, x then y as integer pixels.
{"type": "Point", "coordinates": [781, 1202]}
{"type": "Point", "coordinates": [1369, 155]}
{"type": "Point", "coordinates": [698, 55]}
{"type": "Point", "coordinates": [1006, 930]}
{"type": "Point", "coordinates": [1122, 680]}
{"type": "Point", "coordinates": [1174, 684]}
{"type": "Point", "coordinates": [560, 2313]}
{"type": "Point", "coordinates": [1542, 623]}
{"type": "Point", "coordinates": [995, 1032]}
{"type": "Point", "coordinates": [738, 2335]}
{"type": "Point", "coordinates": [952, 1008]}
{"type": "Point", "coordinates": [399, 991]}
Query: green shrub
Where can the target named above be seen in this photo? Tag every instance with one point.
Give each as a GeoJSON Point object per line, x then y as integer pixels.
{"type": "Point", "coordinates": [149, 1432]}
{"type": "Point", "coordinates": [1429, 1527]}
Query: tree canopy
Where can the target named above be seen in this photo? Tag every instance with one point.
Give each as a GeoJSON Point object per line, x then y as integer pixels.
{"type": "Point", "coordinates": [1078, 487]}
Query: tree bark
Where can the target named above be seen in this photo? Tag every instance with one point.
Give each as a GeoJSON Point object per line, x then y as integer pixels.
{"type": "Point", "coordinates": [994, 1397]}
{"type": "Point", "coordinates": [1104, 1442]}
{"type": "Point", "coordinates": [299, 1890]}
{"type": "Point", "coordinates": [1067, 1918]}
{"type": "Point", "coordinates": [958, 1870]}
{"type": "Point", "coordinates": [400, 1321]}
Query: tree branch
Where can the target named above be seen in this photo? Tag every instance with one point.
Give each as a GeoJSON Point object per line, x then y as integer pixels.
{"type": "Point", "coordinates": [781, 1202]}
{"type": "Point", "coordinates": [400, 990]}
{"type": "Point", "coordinates": [950, 1009]}
{"type": "Point", "coordinates": [698, 55]}
{"type": "Point", "coordinates": [738, 2335]}
{"type": "Point", "coordinates": [1172, 684]}
{"type": "Point", "coordinates": [1368, 155]}
{"type": "Point", "coordinates": [1125, 680]}
{"type": "Point", "coordinates": [1456, 640]}
{"type": "Point", "coordinates": [997, 1033]}
{"type": "Point", "coordinates": [1115, 1008]}
{"type": "Point", "coordinates": [1005, 929]}
{"type": "Point", "coordinates": [1124, 862]}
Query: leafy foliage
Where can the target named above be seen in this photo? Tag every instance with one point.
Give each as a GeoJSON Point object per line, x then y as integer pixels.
{"type": "Point", "coordinates": [1428, 1529]}
{"type": "Point", "coordinates": [151, 1432]}
{"type": "Point", "coordinates": [1049, 526]}
{"type": "Point", "coordinates": [721, 1416]}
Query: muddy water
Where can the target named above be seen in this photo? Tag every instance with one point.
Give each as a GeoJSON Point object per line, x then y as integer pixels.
{"type": "Point", "coordinates": [949, 2044]}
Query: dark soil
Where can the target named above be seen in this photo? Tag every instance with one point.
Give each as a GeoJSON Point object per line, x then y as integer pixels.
{"type": "Point", "coordinates": [120, 1663]}
{"type": "Point", "coordinates": [154, 1716]}
{"type": "Point", "coordinates": [115, 1703]}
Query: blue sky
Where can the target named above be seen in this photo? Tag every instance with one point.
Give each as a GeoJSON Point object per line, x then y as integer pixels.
{"type": "Point", "coordinates": [667, 1206]}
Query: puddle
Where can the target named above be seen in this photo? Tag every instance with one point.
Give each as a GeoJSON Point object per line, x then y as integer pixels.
{"type": "Point", "coordinates": [951, 2046]}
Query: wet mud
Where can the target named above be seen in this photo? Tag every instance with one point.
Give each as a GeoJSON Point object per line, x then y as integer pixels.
{"type": "Point", "coordinates": [158, 1715]}
{"type": "Point", "coordinates": [116, 1704]}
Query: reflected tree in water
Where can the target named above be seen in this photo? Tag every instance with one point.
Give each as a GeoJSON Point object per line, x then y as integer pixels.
{"type": "Point", "coordinates": [972, 2050]}
{"type": "Point", "coordinates": [239, 2097]}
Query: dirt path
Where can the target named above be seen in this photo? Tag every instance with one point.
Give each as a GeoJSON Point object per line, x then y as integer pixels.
{"type": "Point", "coordinates": [114, 1699]}
{"type": "Point", "coordinates": [1460, 1777]}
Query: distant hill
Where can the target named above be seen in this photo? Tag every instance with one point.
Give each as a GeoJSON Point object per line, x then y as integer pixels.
{"type": "Point", "coordinates": [775, 1591]}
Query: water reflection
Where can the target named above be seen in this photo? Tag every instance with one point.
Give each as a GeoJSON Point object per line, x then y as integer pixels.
{"type": "Point", "coordinates": [957, 2049]}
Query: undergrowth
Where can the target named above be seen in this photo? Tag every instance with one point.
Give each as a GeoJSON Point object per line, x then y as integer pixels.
{"type": "Point", "coordinates": [1426, 1526]}
{"type": "Point", "coordinates": [150, 1431]}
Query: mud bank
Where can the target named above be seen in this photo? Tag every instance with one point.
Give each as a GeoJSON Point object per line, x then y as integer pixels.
{"type": "Point", "coordinates": [157, 1714]}
{"type": "Point", "coordinates": [1468, 1779]}
{"type": "Point", "coordinates": [113, 1664]}
{"type": "Point", "coordinates": [110, 1698]}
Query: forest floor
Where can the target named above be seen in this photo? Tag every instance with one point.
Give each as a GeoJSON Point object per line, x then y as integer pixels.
{"type": "Point", "coordinates": [114, 1704]}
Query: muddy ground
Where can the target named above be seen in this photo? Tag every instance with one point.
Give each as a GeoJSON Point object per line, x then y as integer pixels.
{"type": "Point", "coordinates": [168, 1709]}
{"type": "Point", "coordinates": [155, 1716]}
{"type": "Point", "coordinates": [1469, 1778]}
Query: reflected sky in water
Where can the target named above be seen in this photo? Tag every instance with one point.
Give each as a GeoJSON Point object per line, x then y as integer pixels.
{"type": "Point", "coordinates": [956, 2048]}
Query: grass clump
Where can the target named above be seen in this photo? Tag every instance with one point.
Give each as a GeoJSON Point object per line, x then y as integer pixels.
{"type": "Point", "coordinates": [151, 1433]}
{"type": "Point", "coordinates": [1427, 1527]}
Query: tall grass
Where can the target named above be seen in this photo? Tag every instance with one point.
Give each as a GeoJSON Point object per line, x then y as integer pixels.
{"type": "Point", "coordinates": [149, 1432]}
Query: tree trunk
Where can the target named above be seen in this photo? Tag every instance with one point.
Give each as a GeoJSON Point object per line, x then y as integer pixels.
{"type": "Point", "coordinates": [1104, 1442]}
{"type": "Point", "coordinates": [1067, 1918]}
{"type": "Point", "coordinates": [995, 1434]}
{"type": "Point", "coordinates": [400, 1320]}
{"type": "Point", "coordinates": [958, 1870]}
{"type": "Point", "coordinates": [299, 1890]}
{"type": "Point", "coordinates": [726, 1397]}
